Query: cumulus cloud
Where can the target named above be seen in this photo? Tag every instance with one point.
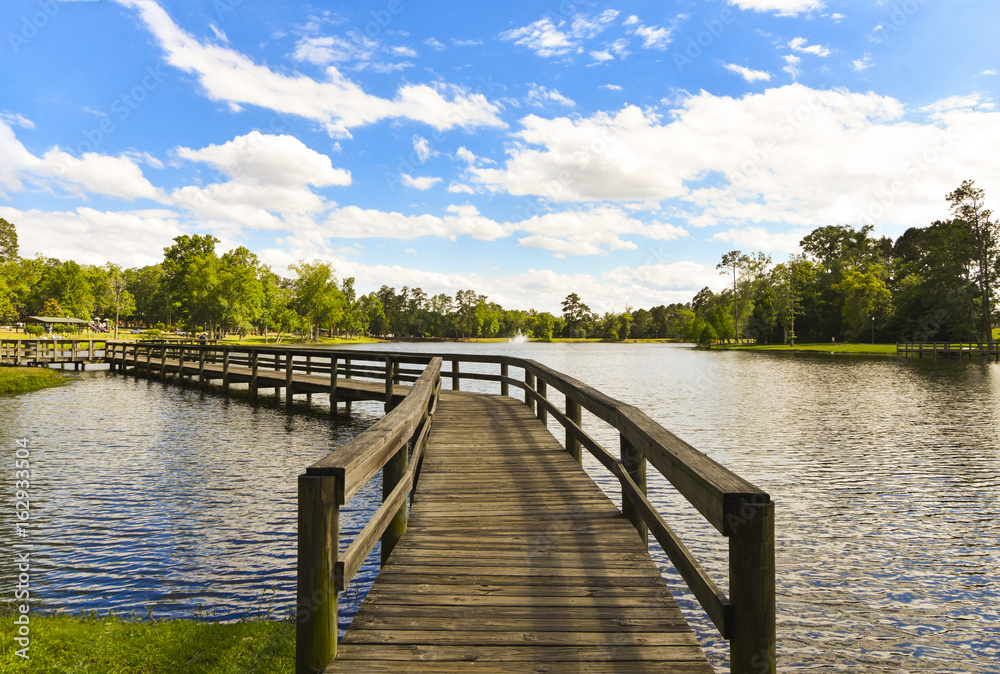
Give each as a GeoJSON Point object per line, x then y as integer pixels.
{"type": "Point", "coordinates": [549, 39]}
{"type": "Point", "coordinates": [780, 7]}
{"type": "Point", "coordinates": [748, 74]}
{"type": "Point", "coordinates": [338, 103]}
{"type": "Point", "coordinates": [421, 183]}
{"type": "Point", "coordinates": [791, 155]}
{"type": "Point", "coordinates": [90, 173]}
{"type": "Point", "coordinates": [90, 236]}
{"type": "Point", "coordinates": [801, 45]}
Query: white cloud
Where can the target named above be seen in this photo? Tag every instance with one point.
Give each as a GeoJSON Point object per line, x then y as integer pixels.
{"type": "Point", "coordinates": [596, 231]}
{"type": "Point", "coordinates": [270, 159]}
{"type": "Point", "coordinates": [354, 222]}
{"type": "Point", "coordinates": [329, 49]}
{"type": "Point", "coordinates": [601, 56]}
{"type": "Point", "coordinates": [422, 183]}
{"type": "Point", "coordinates": [780, 7]}
{"type": "Point", "coordinates": [538, 96]}
{"type": "Point", "coordinates": [91, 173]}
{"type": "Point", "coordinates": [89, 236]}
{"type": "Point", "coordinates": [611, 87]}
{"type": "Point", "coordinates": [422, 147]}
{"type": "Point", "coordinates": [862, 64]}
{"type": "Point", "coordinates": [16, 119]}
{"type": "Point", "coordinates": [748, 74]}
{"type": "Point", "coordinates": [434, 44]}
{"type": "Point", "coordinates": [790, 155]}
{"type": "Point", "coordinates": [758, 238]}
{"type": "Point", "coordinates": [338, 103]}
{"type": "Point", "coordinates": [654, 37]}
{"type": "Point", "coordinates": [801, 45]}
{"type": "Point", "coordinates": [548, 39]}
{"type": "Point", "coordinates": [792, 65]}
{"type": "Point", "coordinates": [542, 37]}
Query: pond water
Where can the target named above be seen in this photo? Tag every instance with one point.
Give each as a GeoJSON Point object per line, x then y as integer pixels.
{"type": "Point", "coordinates": [885, 475]}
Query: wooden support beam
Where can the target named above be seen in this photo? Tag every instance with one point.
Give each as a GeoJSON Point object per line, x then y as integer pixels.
{"type": "Point", "coordinates": [573, 446]}
{"type": "Point", "coordinates": [752, 588]}
{"type": "Point", "coordinates": [635, 465]}
{"type": "Point", "coordinates": [289, 379]}
{"type": "Point", "coordinates": [504, 374]}
{"type": "Point", "coordinates": [318, 548]}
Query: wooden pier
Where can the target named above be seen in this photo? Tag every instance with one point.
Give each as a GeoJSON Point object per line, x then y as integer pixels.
{"type": "Point", "coordinates": [499, 552]}
{"type": "Point", "coordinates": [947, 350]}
{"type": "Point", "coordinates": [46, 352]}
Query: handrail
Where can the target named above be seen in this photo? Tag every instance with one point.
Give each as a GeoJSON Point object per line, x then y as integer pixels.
{"type": "Point", "coordinates": [328, 484]}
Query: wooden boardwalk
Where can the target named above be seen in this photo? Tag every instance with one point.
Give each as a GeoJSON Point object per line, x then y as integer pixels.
{"type": "Point", "coordinates": [511, 558]}
{"type": "Point", "coordinates": [514, 560]}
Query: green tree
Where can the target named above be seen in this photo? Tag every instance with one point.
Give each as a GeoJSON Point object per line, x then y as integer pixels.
{"type": "Point", "coordinates": [116, 294]}
{"type": "Point", "coordinates": [575, 313]}
{"type": "Point", "coordinates": [967, 204]}
{"type": "Point", "coordinates": [317, 297]}
{"type": "Point", "coordinates": [867, 298]}
{"type": "Point", "coordinates": [240, 290]}
{"type": "Point", "coordinates": [8, 241]}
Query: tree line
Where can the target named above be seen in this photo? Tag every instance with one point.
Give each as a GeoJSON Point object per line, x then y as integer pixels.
{"type": "Point", "coordinates": [933, 283]}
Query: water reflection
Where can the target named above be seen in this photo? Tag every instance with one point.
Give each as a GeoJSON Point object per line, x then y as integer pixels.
{"type": "Point", "coordinates": [154, 498]}
{"type": "Point", "coordinates": [884, 472]}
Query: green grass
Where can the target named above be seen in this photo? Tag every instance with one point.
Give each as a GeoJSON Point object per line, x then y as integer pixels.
{"type": "Point", "coordinates": [15, 380]}
{"type": "Point", "coordinates": [880, 349]}
{"type": "Point", "coordinates": [286, 339]}
{"type": "Point", "coordinates": [113, 645]}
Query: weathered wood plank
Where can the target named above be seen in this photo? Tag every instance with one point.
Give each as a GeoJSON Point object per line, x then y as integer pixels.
{"type": "Point", "coordinates": [514, 557]}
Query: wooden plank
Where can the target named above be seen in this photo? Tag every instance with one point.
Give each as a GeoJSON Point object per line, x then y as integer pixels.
{"type": "Point", "coordinates": [513, 557]}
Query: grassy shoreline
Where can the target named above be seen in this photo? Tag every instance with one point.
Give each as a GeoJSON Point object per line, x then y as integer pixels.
{"type": "Point", "coordinates": [112, 644]}
{"type": "Point", "coordinates": [854, 349]}
{"type": "Point", "coordinates": [15, 380]}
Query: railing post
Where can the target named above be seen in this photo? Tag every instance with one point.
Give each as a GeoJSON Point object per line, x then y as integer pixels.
{"type": "Point", "coordinates": [573, 446]}
{"type": "Point", "coordinates": [388, 395]}
{"type": "Point", "coordinates": [333, 385]}
{"type": "Point", "coordinates": [289, 379]}
{"type": "Point", "coordinates": [201, 366]}
{"type": "Point", "coordinates": [347, 375]}
{"type": "Point", "coordinates": [180, 363]}
{"type": "Point", "coordinates": [163, 362]}
{"type": "Point", "coordinates": [454, 375]}
{"type": "Point", "coordinates": [254, 370]}
{"type": "Point", "coordinates": [316, 602]}
{"type": "Point", "coordinates": [504, 386]}
{"type": "Point", "coordinates": [543, 391]}
{"type": "Point", "coordinates": [752, 588]}
{"type": "Point", "coordinates": [529, 383]}
{"type": "Point", "coordinates": [635, 465]}
{"type": "Point", "coordinates": [225, 370]}
{"type": "Point", "coordinates": [394, 471]}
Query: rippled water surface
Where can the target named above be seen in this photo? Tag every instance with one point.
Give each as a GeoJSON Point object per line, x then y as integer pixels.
{"type": "Point", "coordinates": [884, 474]}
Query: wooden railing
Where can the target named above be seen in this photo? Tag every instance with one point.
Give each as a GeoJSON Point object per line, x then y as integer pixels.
{"type": "Point", "coordinates": [330, 483]}
{"type": "Point", "coordinates": [737, 509]}
{"type": "Point", "coordinates": [959, 349]}
{"type": "Point", "coordinates": [48, 351]}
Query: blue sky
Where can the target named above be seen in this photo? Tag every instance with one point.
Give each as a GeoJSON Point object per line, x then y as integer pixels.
{"type": "Point", "coordinates": [523, 149]}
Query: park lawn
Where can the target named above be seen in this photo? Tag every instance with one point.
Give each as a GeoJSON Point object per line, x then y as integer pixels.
{"type": "Point", "coordinates": [14, 380]}
{"type": "Point", "coordinates": [879, 349]}
{"type": "Point", "coordinates": [292, 339]}
{"type": "Point", "coordinates": [113, 645]}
